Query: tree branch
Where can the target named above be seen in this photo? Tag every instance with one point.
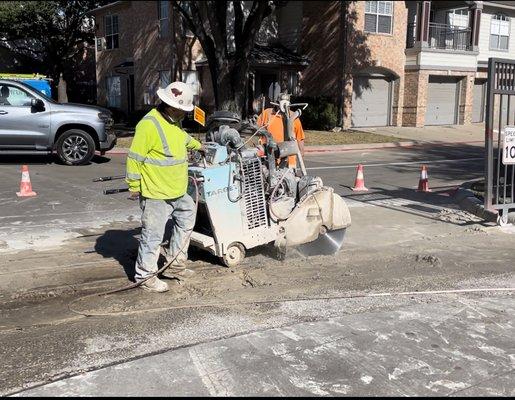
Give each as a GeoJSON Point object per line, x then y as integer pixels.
{"type": "Point", "coordinates": [216, 28]}
{"type": "Point", "coordinates": [194, 22]}
{"type": "Point", "coordinates": [259, 11]}
{"type": "Point", "coordinates": [221, 13]}
{"type": "Point", "coordinates": [238, 23]}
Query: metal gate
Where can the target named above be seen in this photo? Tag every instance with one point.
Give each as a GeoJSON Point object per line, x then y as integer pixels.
{"type": "Point", "coordinates": [500, 113]}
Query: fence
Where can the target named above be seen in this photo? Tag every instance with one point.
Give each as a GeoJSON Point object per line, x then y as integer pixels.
{"type": "Point", "coordinates": [441, 36]}
{"type": "Point", "coordinates": [500, 113]}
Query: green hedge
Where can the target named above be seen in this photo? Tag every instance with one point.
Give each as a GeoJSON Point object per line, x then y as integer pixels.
{"type": "Point", "coordinates": [321, 113]}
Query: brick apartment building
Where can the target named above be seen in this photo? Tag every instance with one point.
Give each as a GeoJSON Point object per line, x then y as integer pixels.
{"type": "Point", "coordinates": [400, 63]}
{"type": "Point", "coordinates": [140, 46]}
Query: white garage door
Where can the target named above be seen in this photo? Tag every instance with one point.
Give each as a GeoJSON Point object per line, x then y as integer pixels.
{"type": "Point", "coordinates": [441, 101]}
{"type": "Point", "coordinates": [478, 105]}
{"type": "Point", "coordinates": [370, 102]}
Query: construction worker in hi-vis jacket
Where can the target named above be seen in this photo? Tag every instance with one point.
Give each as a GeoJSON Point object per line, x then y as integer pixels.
{"type": "Point", "coordinates": [157, 175]}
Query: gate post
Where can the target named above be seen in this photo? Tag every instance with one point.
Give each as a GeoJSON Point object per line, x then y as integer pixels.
{"type": "Point", "coordinates": [489, 135]}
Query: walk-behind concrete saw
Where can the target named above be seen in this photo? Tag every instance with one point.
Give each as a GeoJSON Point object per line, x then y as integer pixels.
{"type": "Point", "coordinates": [249, 196]}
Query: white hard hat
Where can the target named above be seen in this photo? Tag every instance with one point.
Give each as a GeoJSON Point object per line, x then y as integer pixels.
{"type": "Point", "coordinates": [177, 95]}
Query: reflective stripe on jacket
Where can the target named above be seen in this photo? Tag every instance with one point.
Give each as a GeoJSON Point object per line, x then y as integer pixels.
{"type": "Point", "coordinates": [157, 164]}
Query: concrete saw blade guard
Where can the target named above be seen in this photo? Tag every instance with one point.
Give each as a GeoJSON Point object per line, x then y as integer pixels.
{"type": "Point", "coordinates": [317, 225]}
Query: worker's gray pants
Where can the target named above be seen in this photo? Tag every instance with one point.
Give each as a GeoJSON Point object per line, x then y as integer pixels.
{"type": "Point", "coordinates": [156, 214]}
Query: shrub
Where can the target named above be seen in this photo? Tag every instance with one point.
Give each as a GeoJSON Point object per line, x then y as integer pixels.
{"type": "Point", "coordinates": [135, 116]}
{"type": "Point", "coordinates": [321, 113]}
{"type": "Point", "coordinates": [118, 115]}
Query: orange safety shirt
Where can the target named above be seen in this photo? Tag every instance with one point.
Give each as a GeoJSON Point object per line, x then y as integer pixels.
{"type": "Point", "coordinates": [276, 129]}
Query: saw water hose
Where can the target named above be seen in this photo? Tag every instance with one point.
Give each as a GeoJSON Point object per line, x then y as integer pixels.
{"type": "Point", "coordinates": [284, 300]}
{"type": "Point", "coordinates": [139, 283]}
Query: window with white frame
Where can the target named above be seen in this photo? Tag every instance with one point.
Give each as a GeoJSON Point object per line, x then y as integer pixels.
{"type": "Point", "coordinates": [378, 16]}
{"type": "Point", "coordinates": [112, 33]}
{"type": "Point", "coordinates": [293, 83]}
{"type": "Point", "coordinates": [163, 8]}
{"type": "Point", "coordinates": [114, 92]}
{"type": "Point", "coordinates": [458, 18]}
{"type": "Point", "coordinates": [191, 78]}
{"type": "Point", "coordinates": [499, 32]}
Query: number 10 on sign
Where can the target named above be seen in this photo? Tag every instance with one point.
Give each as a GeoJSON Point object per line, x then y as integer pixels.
{"type": "Point", "coordinates": [508, 153]}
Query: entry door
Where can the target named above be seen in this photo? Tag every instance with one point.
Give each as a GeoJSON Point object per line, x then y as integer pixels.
{"type": "Point", "coordinates": [441, 100]}
{"type": "Point", "coordinates": [371, 100]}
{"type": "Point", "coordinates": [21, 126]}
{"type": "Point", "coordinates": [478, 105]}
{"type": "Point", "coordinates": [269, 86]}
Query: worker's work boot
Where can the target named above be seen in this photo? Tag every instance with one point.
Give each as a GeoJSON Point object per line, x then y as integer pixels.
{"type": "Point", "coordinates": [177, 269]}
{"type": "Point", "coordinates": [154, 285]}
{"type": "Point", "coordinates": [174, 272]}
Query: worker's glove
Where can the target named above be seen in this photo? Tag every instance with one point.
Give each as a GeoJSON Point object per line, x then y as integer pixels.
{"type": "Point", "coordinates": [202, 150]}
{"type": "Point", "coordinates": [134, 196]}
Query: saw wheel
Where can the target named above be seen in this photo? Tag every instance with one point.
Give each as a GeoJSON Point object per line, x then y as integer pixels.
{"type": "Point", "coordinates": [234, 255]}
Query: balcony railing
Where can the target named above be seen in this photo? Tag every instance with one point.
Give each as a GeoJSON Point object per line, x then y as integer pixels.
{"type": "Point", "coordinates": [442, 36]}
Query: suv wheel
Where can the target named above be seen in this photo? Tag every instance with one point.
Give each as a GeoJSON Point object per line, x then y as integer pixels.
{"type": "Point", "coordinates": [75, 147]}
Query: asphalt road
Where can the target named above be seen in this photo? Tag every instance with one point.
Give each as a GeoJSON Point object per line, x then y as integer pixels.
{"type": "Point", "coordinates": [268, 327]}
{"type": "Point", "coordinates": [69, 203]}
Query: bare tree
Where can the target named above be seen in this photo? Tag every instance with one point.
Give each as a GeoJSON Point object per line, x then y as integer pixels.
{"type": "Point", "coordinates": [228, 65]}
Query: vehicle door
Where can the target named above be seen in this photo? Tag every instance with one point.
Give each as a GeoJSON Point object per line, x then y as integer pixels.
{"type": "Point", "coordinates": [22, 124]}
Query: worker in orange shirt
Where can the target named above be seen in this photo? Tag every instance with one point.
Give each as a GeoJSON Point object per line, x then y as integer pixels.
{"type": "Point", "coordinates": [273, 120]}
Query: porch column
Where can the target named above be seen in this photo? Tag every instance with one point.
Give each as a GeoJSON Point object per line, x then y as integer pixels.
{"type": "Point", "coordinates": [474, 22]}
{"type": "Point", "coordinates": [422, 34]}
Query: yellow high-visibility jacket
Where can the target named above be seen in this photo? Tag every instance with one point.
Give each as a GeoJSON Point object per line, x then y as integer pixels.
{"type": "Point", "coordinates": [157, 164]}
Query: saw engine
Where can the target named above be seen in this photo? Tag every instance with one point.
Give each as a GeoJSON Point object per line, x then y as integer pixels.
{"type": "Point", "coordinates": [249, 196]}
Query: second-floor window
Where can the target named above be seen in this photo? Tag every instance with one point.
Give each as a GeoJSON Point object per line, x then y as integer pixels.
{"type": "Point", "coordinates": [111, 22]}
{"type": "Point", "coordinates": [499, 32]}
{"type": "Point", "coordinates": [378, 16]}
{"type": "Point", "coordinates": [162, 13]}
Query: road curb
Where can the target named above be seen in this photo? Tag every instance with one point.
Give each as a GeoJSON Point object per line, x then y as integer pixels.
{"type": "Point", "coordinates": [468, 201]}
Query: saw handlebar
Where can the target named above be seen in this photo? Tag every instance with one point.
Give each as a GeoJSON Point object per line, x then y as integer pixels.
{"type": "Point", "coordinates": [113, 191]}
{"type": "Point", "coordinates": [108, 178]}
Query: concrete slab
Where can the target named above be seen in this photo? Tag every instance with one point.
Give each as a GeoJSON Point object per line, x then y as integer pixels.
{"type": "Point", "coordinates": [462, 347]}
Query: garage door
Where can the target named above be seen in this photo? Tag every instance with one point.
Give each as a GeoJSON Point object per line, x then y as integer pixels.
{"type": "Point", "coordinates": [478, 105]}
{"type": "Point", "coordinates": [441, 101]}
{"type": "Point", "coordinates": [370, 102]}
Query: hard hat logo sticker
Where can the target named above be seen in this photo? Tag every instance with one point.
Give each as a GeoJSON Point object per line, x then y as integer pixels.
{"type": "Point", "coordinates": [176, 92]}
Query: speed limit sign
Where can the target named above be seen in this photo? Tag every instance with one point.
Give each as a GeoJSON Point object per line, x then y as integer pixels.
{"type": "Point", "coordinates": [508, 149]}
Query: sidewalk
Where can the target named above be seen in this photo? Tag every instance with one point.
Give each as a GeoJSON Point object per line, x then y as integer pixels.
{"type": "Point", "coordinates": [434, 134]}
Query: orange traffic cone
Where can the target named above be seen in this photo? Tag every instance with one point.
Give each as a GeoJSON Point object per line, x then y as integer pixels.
{"type": "Point", "coordinates": [423, 183]}
{"type": "Point", "coordinates": [359, 183]}
{"type": "Point", "coordinates": [25, 185]}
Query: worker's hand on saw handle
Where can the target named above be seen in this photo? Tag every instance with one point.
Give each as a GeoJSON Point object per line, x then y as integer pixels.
{"type": "Point", "coordinates": [134, 196]}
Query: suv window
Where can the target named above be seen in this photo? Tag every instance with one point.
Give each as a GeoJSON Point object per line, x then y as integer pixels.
{"type": "Point", "coordinates": [14, 96]}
